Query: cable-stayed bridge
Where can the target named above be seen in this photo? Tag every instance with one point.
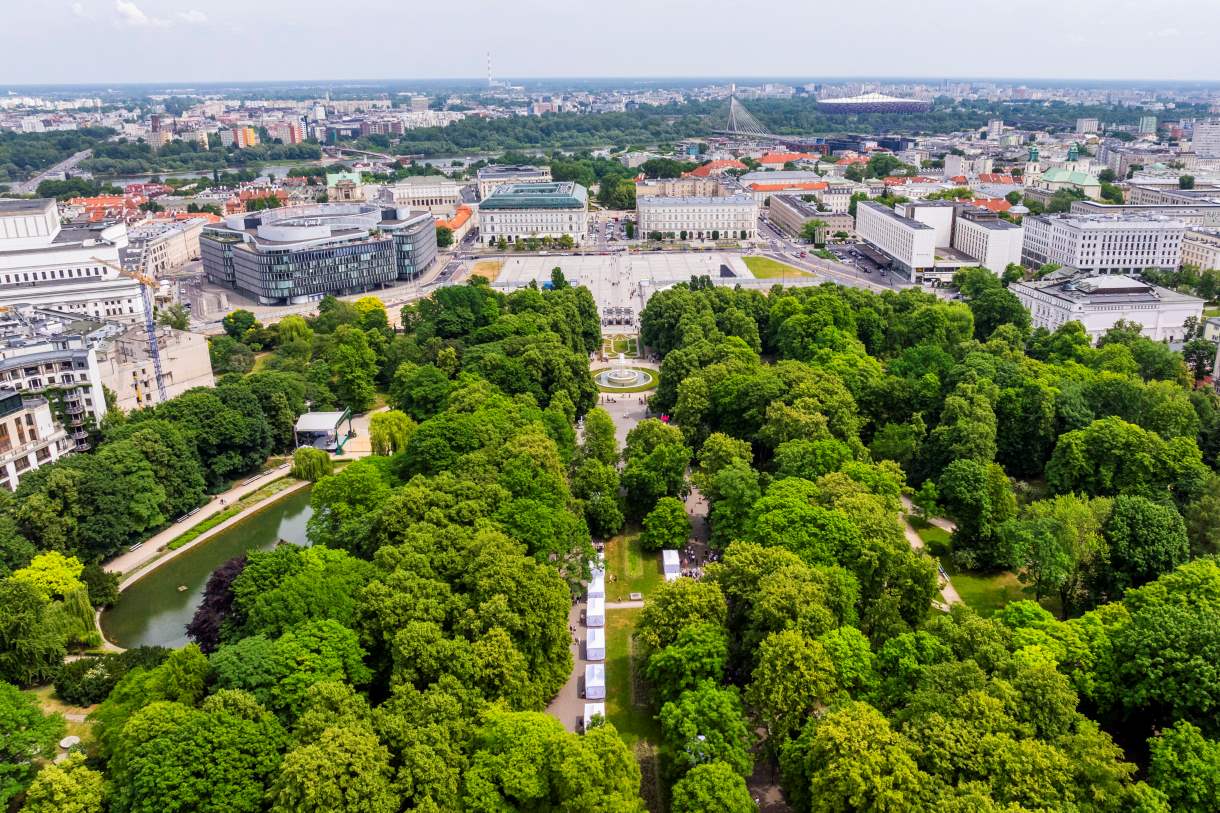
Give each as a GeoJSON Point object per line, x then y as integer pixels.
{"type": "Point", "coordinates": [741, 124]}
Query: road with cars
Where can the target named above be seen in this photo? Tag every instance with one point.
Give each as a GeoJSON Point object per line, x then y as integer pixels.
{"type": "Point", "coordinates": [852, 268]}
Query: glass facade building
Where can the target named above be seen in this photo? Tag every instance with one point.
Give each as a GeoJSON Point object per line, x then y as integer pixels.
{"type": "Point", "coordinates": [301, 253]}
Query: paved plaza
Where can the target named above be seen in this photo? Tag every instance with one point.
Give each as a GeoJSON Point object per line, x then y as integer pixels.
{"type": "Point", "coordinates": [623, 280]}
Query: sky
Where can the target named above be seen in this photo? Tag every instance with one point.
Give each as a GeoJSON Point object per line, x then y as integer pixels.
{"type": "Point", "coordinates": [117, 41]}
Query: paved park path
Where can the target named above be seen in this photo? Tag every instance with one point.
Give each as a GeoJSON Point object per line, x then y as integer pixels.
{"type": "Point", "coordinates": [947, 591]}
{"type": "Point", "coordinates": [154, 548]}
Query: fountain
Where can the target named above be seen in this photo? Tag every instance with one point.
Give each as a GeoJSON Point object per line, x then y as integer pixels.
{"type": "Point", "coordinates": [622, 377]}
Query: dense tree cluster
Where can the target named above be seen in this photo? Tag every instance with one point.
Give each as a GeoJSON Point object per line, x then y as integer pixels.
{"type": "Point", "coordinates": [1085, 469]}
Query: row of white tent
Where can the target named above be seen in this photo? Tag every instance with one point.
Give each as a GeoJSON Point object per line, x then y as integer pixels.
{"type": "Point", "coordinates": [595, 641]}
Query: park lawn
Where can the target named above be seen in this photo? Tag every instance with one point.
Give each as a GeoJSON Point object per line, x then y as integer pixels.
{"type": "Point", "coordinates": [987, 593]}
{"type": "Point", "coordinates": [627, 706]}
{"type": "Point", "coordinates": [487, 269]}
{"type": "Point", "coordinates": [933, 537]}
{"type": "Point", "coordinates": [767, 268]}
{"type": "Point", "coordinates": [1210, 312]}
{"type": "Point", "coordinates": [51, 704]}
{"type": "Point", "coordinates": [630, 569]}
{"type": "Point", "coordinates": [625, 346]}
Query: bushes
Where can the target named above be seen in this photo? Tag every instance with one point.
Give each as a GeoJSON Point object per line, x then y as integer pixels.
{"type": "Point", "coordinates": [89, 680]}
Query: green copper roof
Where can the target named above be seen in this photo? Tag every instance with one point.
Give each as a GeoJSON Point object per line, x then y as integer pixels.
{"type": "Point", "coordinates": [562, 195]}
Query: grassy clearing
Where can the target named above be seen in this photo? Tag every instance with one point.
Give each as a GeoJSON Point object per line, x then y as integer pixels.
{"type": "Point", "coordinates": [987, 593]}
{"type": "Point", "coordinates": [1209, 312]}
{"type": "Point", "coordinates": [50, 704]}
{"type": "Point", "coordinates": [767, 268]}
{"type": "Point", "coordinates": [487, 269]}
{"type": "Point", "coordinates": [269, 490]}
{"type": "Point", "coordinates": [937, 540]}
{"type": "Point", "coordinates": [631, 569]}
{"type": "Point", "coordinates": [626, 700]}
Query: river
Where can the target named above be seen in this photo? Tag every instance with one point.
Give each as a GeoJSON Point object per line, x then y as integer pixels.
{"type": "Point", "coordinates": [153, 612]}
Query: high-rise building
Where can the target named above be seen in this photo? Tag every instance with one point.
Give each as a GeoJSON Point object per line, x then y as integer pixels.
{"type": "Point", "coordinates": [240, 137]}
{"type": "Point", "coordinates": [1087, 126]}
{"type": "Point", "coordinates": [1207, 139]}
{"type": "Point", "coordinates": [287, 132]}
{"type": "Point", "coordinates": [995, 129]}
{"type": "Point", "coordinates": [1147, 125]}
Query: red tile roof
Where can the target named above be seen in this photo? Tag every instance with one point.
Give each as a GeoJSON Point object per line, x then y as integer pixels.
{"type": "Point", "coordinates": [996, 205]}
{"type": "Point", "coordinates": [785, 157]}
{"type": "Point", "coordinates": [716, 167]}
{"type": "Point", "coordinates": [961, 179]}
{"type": "Point", "coordinates": [995, 177]}
{"type": "Point", "coordinates": [782, 187]}
{"type": "Point", "coordinates": [458, 220]}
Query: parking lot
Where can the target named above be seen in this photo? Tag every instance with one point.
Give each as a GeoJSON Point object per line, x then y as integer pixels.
{"type": "Point", "coordinates": [620, 281]}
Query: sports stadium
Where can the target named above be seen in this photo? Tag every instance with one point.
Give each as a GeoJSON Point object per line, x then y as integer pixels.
{"type": "Point", "coordinates": [873, 103]}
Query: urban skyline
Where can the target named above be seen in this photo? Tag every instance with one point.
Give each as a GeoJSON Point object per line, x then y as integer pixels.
{"type": "Point", "coordinates": [1045, 40]}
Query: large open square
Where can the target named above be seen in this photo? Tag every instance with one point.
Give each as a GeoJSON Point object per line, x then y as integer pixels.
{"type": "Point", "coordinates": [623, 280]}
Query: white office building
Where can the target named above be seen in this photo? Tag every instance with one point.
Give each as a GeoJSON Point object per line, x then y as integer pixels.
{"type": "Point", "coordinates": [1098, 302]}
{"type": "Point", "coordinates": [68, 268]}
{"type": "Point", "coordinates": [534, 210]}
{"type": "Point", "coordinates": [929, 241]}
{"type": "Point", "coordinates": [909, 243]}
{"type": "Point", "coordinates": [1101, 244]}
{"type": "Point", "coordinates": [992, 242]}
{"type": "Point", "coordinates": [732, 217]}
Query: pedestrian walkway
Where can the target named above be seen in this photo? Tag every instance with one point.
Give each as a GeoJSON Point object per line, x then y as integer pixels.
{"type": "Point", "coordinates": [947, 591]}
{"type": "Point", "coordinates": [155, 546]}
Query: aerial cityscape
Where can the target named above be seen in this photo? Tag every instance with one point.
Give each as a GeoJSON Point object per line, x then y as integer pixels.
{"type": "Point", "coordinates": [767, 420]}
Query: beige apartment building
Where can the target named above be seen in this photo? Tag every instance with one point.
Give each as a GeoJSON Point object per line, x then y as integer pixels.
{"type": "Point", "coordinates": [1201, 248]}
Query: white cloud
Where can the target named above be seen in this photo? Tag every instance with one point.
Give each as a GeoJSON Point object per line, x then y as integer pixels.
{"type": "Point", "coordinates": [1168, 33]}
{"type": "Point", "coordinates": [193, 17]}
{"type": "Point", "coordinates": [79, 10]}
{"type": "Point", "coordinates": [130, 14]}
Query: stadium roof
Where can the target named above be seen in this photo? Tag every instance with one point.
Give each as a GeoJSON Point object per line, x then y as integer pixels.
{"type": "Point", "coordinates": [868, 98]}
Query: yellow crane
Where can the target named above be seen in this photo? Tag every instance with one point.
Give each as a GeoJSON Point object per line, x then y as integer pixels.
{"type": "Point", "coordinates": [147, 284]}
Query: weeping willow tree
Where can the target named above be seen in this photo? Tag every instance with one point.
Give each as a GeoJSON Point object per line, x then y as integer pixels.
{"type": "Point", "coordinates": [311, 464]}
{"type": "Point", "coordinates": [390, 431]}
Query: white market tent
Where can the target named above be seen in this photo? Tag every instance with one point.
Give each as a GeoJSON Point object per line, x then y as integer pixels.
{"type": "Point", "coordinates": [595, 682]}
{"type": "Point", "coordinates": [597, 586]}
{"type": "Point", "coordinates": [671, 565]}
{"type": "Point", "coordinates": [595, 645]}
{"type": "Point", "coordinates": [595, 615]}
{"type": "Point", "coordinates": [593, 710]}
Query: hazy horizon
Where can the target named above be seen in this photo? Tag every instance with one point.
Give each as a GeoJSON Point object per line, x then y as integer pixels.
{"type": "Point", "coordinates": [172, 42]}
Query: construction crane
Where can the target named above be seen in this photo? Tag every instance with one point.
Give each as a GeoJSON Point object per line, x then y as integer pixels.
{"type": "Point", "coordinates": [147, 284]}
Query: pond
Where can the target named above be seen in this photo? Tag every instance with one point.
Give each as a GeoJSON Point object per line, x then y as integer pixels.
{"type": "Point", "coordinates": [154, 612]}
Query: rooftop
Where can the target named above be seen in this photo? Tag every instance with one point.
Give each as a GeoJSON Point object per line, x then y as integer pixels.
{"type": "Point", "coordinates": [658, 201]}
{"type": "Point", "coordinates": [882, 209]}
{"type": "Point", "coordinates": [558, 195]}
{"type": "Point", "coordinates": [804, 208]}
{"type": "Point", "coordinates": [506, 171]}
{"type": "Point", "coordinates": [1107, 289]}
{"type": "Point", "coordinates": [1113, 221]}
{"type": "Point", "coordinates": [13, 207]}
